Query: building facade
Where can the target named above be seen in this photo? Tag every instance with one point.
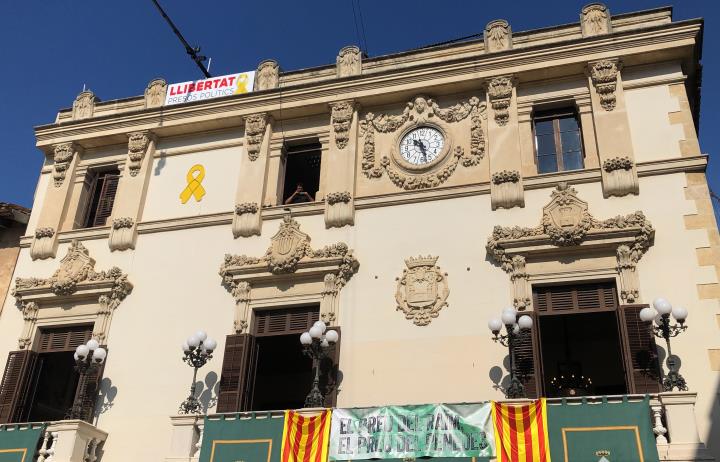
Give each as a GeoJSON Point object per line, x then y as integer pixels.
{"type": "Point", "coordinates": [404, 200]}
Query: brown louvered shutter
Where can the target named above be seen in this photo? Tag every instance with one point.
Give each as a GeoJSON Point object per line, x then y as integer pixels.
{"type": "Point", "coordinates": [599, 296]}
{"type": "Point", "coordinates": [285, 321]}
{"type": "Point", "coordinates": [14, 385]}
{"type": "Point", "coordinates": [91, 385]}
{"type": "Point", "coordinates": [65, 338]}
{"type": "Point", "coordinates": [526, 359]}
{"type": "Point", "coordinates": [106, 199]}
{"type": "Point", "coordinates": [641, 358]}
{"type": "Point", "coordinates": [86, 198]}
{"type": "Point", "coordinates": [330, 366]}
{"type": "Point", "coordinates": [235, 374]}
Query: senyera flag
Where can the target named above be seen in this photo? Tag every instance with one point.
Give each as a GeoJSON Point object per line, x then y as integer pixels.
{"type": "Point", "coordinates": [521, 432]}
{"type": "Point", "coordinates": [305, 438]}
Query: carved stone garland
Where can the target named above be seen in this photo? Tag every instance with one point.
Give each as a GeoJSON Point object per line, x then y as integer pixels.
{"type": "Point", "coordinates": [254, 132]}
{"type": "Point", "coordinates": [289, 251]}
{"type": "Point", "coordinates": [341, 117]}
{"type": "Point", "coordinates": [566, 222]}
{"type": "Point", "coordinates": [137, 146]}
{"type": "Point", "coordinates": [417, 111]}
{"type": "Point", "coordinates": [75, 274]}
{"type": "Point", "coordinates": [422, 291]}
{"type": "Point", "coordinates": [604, 77]}
{"type": "Point", "coordinates": [500, 93]}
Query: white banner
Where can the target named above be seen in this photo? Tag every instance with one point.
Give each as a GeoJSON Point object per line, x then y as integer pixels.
{"type": "Point", "coordinates": [215, 87]}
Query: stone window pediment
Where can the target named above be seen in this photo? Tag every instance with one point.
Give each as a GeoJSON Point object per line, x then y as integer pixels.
{"type": "Point", "coordinates": [75, 287]}
{"type": "Point", "coordinates": [290, 261]}
{"type": "Point", "coordinates": [568, 229]}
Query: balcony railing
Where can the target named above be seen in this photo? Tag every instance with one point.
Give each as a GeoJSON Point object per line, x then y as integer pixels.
{"type": "Point", "coordinates": [61, 441]}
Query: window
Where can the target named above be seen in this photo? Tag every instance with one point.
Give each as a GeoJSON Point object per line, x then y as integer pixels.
{"type": "Point", "coordinates": [302, 173]}
{"type": "Point", "coordinates": [41, 384]}
{"type": "Point", "coordinates": [100, 189]}
{"type": "Point", "coordinates": [267, 370]}
{"type": "Point", "coordinates": [558, 143]}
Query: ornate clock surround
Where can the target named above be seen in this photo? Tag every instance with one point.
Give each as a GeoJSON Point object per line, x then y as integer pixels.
{"type": "Point", "coordinates": [398, 159]}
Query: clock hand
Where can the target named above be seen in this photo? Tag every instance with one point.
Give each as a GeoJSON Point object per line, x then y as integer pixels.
{"type": "Point", "coordinates": [420, 145]}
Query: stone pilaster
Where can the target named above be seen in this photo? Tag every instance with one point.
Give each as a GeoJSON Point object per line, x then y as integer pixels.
{"type": "Point", "coordinates": [339, 186]}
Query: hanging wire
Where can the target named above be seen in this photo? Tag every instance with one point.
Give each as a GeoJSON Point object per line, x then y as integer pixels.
{"type": "Point", "coordinates": [355, 22]}
{"type": "Point", "coordinates": [362, 28]}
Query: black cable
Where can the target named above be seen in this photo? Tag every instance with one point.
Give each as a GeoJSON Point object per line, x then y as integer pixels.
{"type": "Point", "coordinates": [362, 27]}
{"type": "Point", "coordinates": [355, 21]}
{"type": "Point", "coordinates": [193, 52]}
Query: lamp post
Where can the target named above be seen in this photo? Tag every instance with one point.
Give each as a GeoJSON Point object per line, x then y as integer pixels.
{"type": "Point", "coordinates": [317, 343]}
{"type": "Point", "coordinates": [515, 329]}
{"type": "Point", "coordinates": [663, 329]}
{"type": "Point", "coordinates": [198, 350]}
{"type": "Point", "coordinates": [88, 358]}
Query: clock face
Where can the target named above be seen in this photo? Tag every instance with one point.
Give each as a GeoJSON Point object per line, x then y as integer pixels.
{"type": "Point", "coordinates": [422, 145]}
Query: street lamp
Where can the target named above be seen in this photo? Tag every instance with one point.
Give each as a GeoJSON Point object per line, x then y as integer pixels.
{"type": "Point", "coordinates": [88, 358]}
{"type": "Point", "coordinates": [198, 350]}
{"type": "Point", "coordinates": [663, 329]}
{"type": "Point", "coordinates": [515, 328]}
{"type": "Point", "coordinates": [317, 343]}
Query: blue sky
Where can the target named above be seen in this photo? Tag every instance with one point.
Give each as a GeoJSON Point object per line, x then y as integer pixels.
{"type": "Point", "coordinates": [54, 47]}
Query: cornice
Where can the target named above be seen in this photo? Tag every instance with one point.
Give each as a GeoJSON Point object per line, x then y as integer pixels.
{"type": "Point", "coordinates": [645, 169]}
{"type": "Point", "coordinates": [313, 97]}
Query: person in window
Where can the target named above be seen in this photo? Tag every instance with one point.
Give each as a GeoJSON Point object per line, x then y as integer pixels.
{"type": "Point", "coordinates": [299, 196]}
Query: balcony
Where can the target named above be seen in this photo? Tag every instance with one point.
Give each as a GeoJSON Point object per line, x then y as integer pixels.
{"type": "Point", "coordinates": [61, 441]}
{"type": "Point", "coordinates": [670, 417]}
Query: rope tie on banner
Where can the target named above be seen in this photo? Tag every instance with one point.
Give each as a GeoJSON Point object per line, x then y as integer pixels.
{"type": "Point", "coordinates": [194, 184]}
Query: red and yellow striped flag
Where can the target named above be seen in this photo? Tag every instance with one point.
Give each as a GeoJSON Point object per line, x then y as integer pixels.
{"type": "Point", "coordinates": [521, 432]}
{"type": "Point", "coordinates": [305, 439]}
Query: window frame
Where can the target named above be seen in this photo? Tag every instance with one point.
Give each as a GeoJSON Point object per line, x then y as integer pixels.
{"type": "Point", "coordinates": [554, 115]}
{"type": "Point", "coordinates": [305, 146]}
{"type": "Point", "coordinates": [89, 199]}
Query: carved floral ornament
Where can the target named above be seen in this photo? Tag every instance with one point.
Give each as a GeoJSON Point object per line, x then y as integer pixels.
{"type": "Point", "coordinates": [422, 291]}
{"type": "Point", "coordinates": [155, 93]}
{"type": "Point", "coordinates": [595, 19]}
{"type": "Point", "coordinates": [506, 176]}
{"type": "Point", "coordinates": [75, 273]}
{"type": "Point", "coordinates": [341, 117]}
{"type": "Point", "coordinates": [422, 110]}
{"type": "Point", "coordinates": [254, 132]}
{"type": "Point", "coordinates": [604, 77]}
{"type": "Point", "coordinates": [500, 92]}
{"type": "Point", "coordinates": [84, 105]}
{"type": "Point", "coordinates": [617, 163]}
{"type": "Point", "coordinates": [349, 61]}
{"type": "Point", "coordinates": [62, 156]}
{"type": "Point", "coordinates": [137, 146]}
{"type": "Point", "coordinates": [267, 76]}
{"type": "Point", "coordinates": [338, 197]}
{"type": "Point", "coordinates": [246, 208]}
{"type": "Point", "coordinates": [498, 36]}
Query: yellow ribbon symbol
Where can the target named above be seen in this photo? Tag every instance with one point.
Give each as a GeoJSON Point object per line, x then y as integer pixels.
{"type": "Point", "coordinates": [194, 186]}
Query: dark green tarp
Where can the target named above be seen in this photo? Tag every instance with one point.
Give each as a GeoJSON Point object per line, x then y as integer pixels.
{"type": "Point", "coordinates": [18, 443]}
{"type": "Point", "coordinates": [579, 431]}
{"type": "Point", "coordinates": [228, 438]}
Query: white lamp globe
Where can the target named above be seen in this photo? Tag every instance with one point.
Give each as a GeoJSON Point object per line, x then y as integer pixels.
{"type": "Point", "coordinates": [185, 347]}
{"type": "Point", "coordinates": [201, 335]}
{"type": "Point", "coordinates": [331, 336]}
{"type": "Point", "coordinates": [321, 325]}
{"type": "Point", "coordinates": [305, 338]}
{"type": "Point", "coordinates": [516, 329]}
{"type": "Point", "coordinates": [662, 306]}
{"type": "Point", "coordinates": [680, 313]}
{"type": "Point", "coordinates": [316, 331]}
{"type": "Point", "coordinates": [495, 325]}
{"type": "Point", "coordinates": [93, 344]}
{"type": "Point", "coordinates": [76, 356]}
{"type": "Point", "coordinates": [193, 342]}
{"type": "Point", "coordinates": [525, 322]}
{"type": "Point", "coordinates": [658, 320]}
{"type": "Point", "coordinates": [647, 314]}
{"type": "Point", "coordinates": [82, 351]}
{"type": "Point", "coordinates": [324, 343]}
{"type": "Point", "coordinates": [508, 316]}
{"type": "Point", "coordinates": [210, 345]}
{"type": "Point", "coordinates": [99, 355]}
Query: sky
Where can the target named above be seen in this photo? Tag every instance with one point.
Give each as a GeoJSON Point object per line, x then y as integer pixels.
{"type": "Point", "coordinates": [55, 47]}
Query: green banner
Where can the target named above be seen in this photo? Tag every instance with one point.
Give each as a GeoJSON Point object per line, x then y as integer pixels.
{"type": "Point", "coordinates": [18, 443]}
{"type": "Point", "coordinates": [397, 432]}
{"type": "Point", "coordinates": [584, 432]}
{"type": "Point", "coordinates": [242, 438]}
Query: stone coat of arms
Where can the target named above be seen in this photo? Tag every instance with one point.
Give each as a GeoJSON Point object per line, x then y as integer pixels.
{"type": "Point", "coordinates": [422, 290]}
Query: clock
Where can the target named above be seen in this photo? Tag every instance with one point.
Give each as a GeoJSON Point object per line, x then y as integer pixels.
{"type": "Point", "coordinates": [422, 146]}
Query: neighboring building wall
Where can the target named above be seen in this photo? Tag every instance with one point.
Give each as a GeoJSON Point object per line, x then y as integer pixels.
{"type": "Point", "coordinates": [13, 222]}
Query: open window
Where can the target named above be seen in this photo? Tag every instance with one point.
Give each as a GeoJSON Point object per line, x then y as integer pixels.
{"type": "Point", "coordinates": [98, 197]}
{"type": "Point", "coordinates": [301, 172]}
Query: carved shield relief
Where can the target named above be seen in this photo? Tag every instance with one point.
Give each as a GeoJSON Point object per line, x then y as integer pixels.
{"type": "Point", "coordinates": [287, 247]}
{"type": "Point", "coordinates": [422, 291]}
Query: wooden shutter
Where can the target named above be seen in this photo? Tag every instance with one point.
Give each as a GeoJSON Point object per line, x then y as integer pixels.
{"type": "Point", "coordinates": [330, 373]}
{"type": "Point", "coordinates": [235, 374]}
{"type": "Point", "coordinates": [527, 360]}
{"type": "Point", "coordinates": [642, 367]}
{"type": "Point", "coordinates": [14, 385]}
{"type": "Point", "coordinates": [599, 296]}
{"type": "Point", "coordinates": [65, 338]}
{"type": "Point", "coordinates": [285, 321]}
{"type": "Point", "coordinates": [86, 199]}
{"type": "Point", "coordinates": [91, 382]}
{"type": "Point", "coordinates": [106, 199]}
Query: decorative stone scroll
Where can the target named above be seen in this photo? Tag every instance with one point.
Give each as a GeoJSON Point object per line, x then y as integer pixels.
{"type": "Point", "coordinates": [339, 209]}
{"type": "Point", "coordinates": [341, 119]}
{"type": "Point", "coordinates": [84, 105]}
{"type": "Point", "coordinates": [155, 93]}
{"type": "Point", "coordinates": [122, 234]}
{"type": "Point", "coordinates": [500, 92]}
{"type": "Point", "coordinates": [137, 147]}
{"type": "Point", "coordinates": [421, 110]}
{"type": "Point", "coordinates": [289, 253]}
{"type": "Point", "coordinates": [63, 154]}
{"type": "Point", "coordinates": [254, 132]}
{"type": "Point", "coordinates": [506, 190]}
{"type": "Point", "coordinates": [595, 20]}
{"type": "Point", "coordinates": [76, 277]}
{"type": "Point", "coordinates": [44, 243]}
{"type": "Point", "coordinates": [246, 220]}
{"type": "Point", "coordinates": [422, 291]}
{"type": "Point", "coordinates": [566, 222]}
{"type": "Point", "coordinates": [349, 61]}
{"type": "Point", "coordinates": [267, 76]}
{"type": "Point", "coordinates": [497, 36]}
{"type": "Point", "coordinates": [619, 177]}
{"type": "Point", "coordinates": [603, 75]}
